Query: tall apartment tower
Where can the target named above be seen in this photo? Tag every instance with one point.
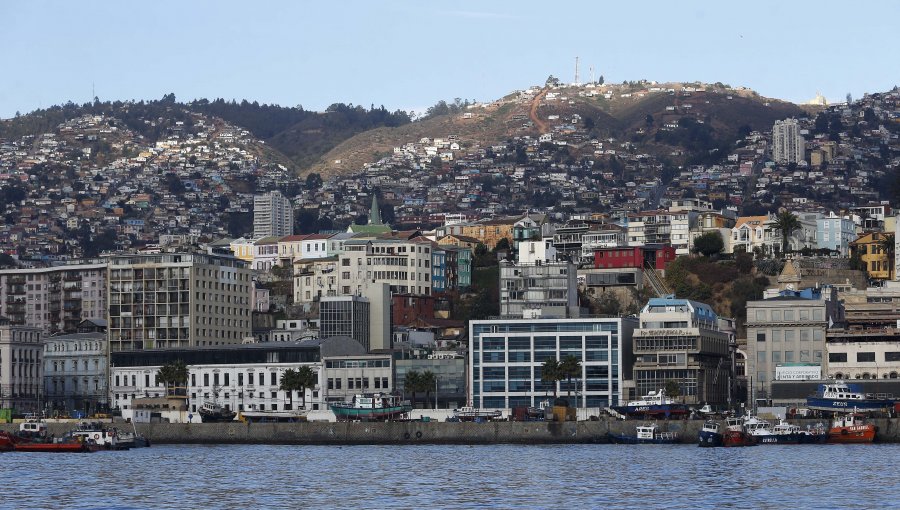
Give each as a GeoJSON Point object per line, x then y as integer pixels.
{"type": "Point", "coordinates": [788, 145]}
{"type": "Point", "coordinates": [272, 215]}
{"type": "Point", "coordinates": [345, 316]}
{"type": "Point", "coordinates": [172, 300]}
{"type": "Point", "coordinates": [54, 299]}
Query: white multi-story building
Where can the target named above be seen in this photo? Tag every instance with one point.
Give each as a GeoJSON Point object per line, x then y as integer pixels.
{"type": "Point", "coordinates": [405, 265]}
{"type": "Point", "coordinates": [54, 299]}
{"type": "Point", "coordinates": [272, 215]}
{"type": "Point", "coordinates": [546, 289]}
{"type": "Point", "coordinates": [315, 278]}
{"type": "Point", "coordinates": [788, 145]}
{"type": "Point", "coordinates": [75, 372]}
{"type": "Point", "coordinates": [21, 367]}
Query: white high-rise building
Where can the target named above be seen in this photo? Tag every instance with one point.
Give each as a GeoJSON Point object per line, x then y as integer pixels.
{"type": "Point", "coordinates": [272, 215]}
{"type": "Point", "coordinates": [788, 145]}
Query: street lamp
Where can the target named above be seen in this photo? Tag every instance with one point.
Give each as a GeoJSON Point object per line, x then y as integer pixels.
{"type": "Point", "coordinates": [436, 379]}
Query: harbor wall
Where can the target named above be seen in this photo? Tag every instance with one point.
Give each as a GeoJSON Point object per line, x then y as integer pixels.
{"type": "Point", "coordinates": [313, 433]}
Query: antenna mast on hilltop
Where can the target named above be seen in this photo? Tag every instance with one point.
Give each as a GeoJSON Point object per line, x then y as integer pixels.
{"type": "Point", "coordinates": [592, 74]}
{"type": "Point", "coordinates": [576, 71]}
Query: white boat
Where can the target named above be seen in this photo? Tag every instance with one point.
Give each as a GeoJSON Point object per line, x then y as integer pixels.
{"type": "Point", "coordinates": [272, 416]}
{"type": "Point", "coordinates": [469, 413]}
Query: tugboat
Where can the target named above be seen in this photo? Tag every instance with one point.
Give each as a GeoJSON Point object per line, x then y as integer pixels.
{"type": "Point", "coordinates": [212, 412]}
{"type": "Point", "coordinates": [840, 396]}
{"type": "Point", "coordinates": [645, 434]}
{"type": "Point", "coordinates": [850, 428]}
{"type": "Point", "coordinates": [33, 437]}
{"type": "Point", "coordinates": [736, 434]}
{"type": "Point", "coordinates": [376, 406]}
{"type": "Point", "coordinates": [104, 438]}
{"type": "Point", "coordinates": [710, 436]}
{"type": "Point", "coordinates": [473, 414]}
{"type": "Point", "coordinates": [783, 433]}
{"type": "Point", "coordinates": [654, 403]}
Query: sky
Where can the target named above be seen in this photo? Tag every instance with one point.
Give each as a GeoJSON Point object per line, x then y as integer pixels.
{"type": "Point", "coordinates": [410, 54]}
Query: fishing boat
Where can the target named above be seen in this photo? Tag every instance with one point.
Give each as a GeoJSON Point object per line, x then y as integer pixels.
{"type": "Point", "coordinates": [272, 416]}
{"type": "Point", "coordinates": [469, 413]}
{"type": "Point", "coordinates": [851, 428]}
{"type": "Point", "coordinates": [842, 397]}
{"type": "Point", "coordinates": [736, 434]}
{"type": "Point", "coordinates": [212, 412]}
{"type": "Point", "coordinates": [710, 435]}
{"type": "Point", "coordinates": [375, 406]}
{"type": "Point", "coordinates": [104, 438]}
{"type": "Point", "coordinates": [655, 403]}
{"type": "Point", "coordinates": [33, 437]}
{"type": "Point", "coordinates": [645, 434]}
{"type": "Point", "coordinates": [782, 433]}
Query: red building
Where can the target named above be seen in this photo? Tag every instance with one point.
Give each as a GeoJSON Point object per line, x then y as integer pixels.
{"type": "Point", "coordinates": [657, 256]}
{"type": "Point", "coordinates": [406, 308]}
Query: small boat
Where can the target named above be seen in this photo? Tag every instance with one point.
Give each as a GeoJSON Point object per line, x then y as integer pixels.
{"type": "Point", "coordinates": [842, 397]}
{"type": "Point", "coordinates": [736, 434]}
{"type": "Point", "coordinates": [376, 406]}
{"type": "Point", "coordinates": [782, 433]}
{"type": "Point", "coordinates": [851, 428]}
{"type": "Point", "coordinates": [655, 403]}
{"type": "Point", "coordinates": [104, 438]}
{"type": "Point", "coordinates": [211, 412]}
{"type": "Point", "coordinates": [710, 435]}
{"type": "Point", "coordinates": [272, 416]}
{"type": "Point", "coordinates": [469, 413]}
{"type": "Point", "coordinates": [645, 434]}
{"type": "Point", "coordinates": [33, 437]}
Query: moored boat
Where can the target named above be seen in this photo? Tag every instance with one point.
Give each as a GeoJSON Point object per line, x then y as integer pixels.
{"type": "Point", "coordinates": [736, 434]}
{"type": "Point", "coordinates": [851, 428]}
{"type": "Point", "coordinates": [655, 403]}
{"type": "Point", "coordinates": [33, 437]}
{"type": "Point", "coordinates": [469, 413]}
{"type": "Point", "coordinates": [212, 412]}
{"type": "Point", "coordinates": [376, 406]}
{"type": "Point", "coordinates": [105, 438]}
{"type": "Point", "coordinates": [645, 434]}
{"type": "Point", "coordinates": [710, 435]}
{"type": "Point", "coordinates": [842, 397]}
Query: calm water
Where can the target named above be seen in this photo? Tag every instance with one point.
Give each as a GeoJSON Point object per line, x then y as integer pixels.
{"type": "Point", "coordinates": [582, 476]}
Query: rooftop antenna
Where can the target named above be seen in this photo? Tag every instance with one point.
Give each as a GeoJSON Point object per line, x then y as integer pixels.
{"type": "Point", "coordinates": [592, 74]}
{"type": "Point", "coordinates": [576, 71]}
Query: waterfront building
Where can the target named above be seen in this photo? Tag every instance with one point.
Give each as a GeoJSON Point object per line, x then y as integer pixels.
{"type": "Point", "coordinates": [350, 374]}
{"type": "Point", "coordinates": [21, 367]}
{"type": "Point", "coordinates": [172, 300]}
{"type": "Point", "coordinates": [788, 327]}
{"type": "Point", "coordinates": [237, 377]}
{"type": "Point", "coordinates": [272, 215]}
{"type": "Point", "coordinates": [681, 340]}
{"type": "Point", "coordinates": [449, 369]}
{"type": "Point", "coordinates": [788, 145]}
{"type": "Point", "coordinates": [55, 299]}
{"type": "Point", "coordinates": [863, 353]}
{"type": "Point", "coordinates": [547, 289]}
{"type": "Point", "coordinates": [75, 372]}
{"type": "Point", "coordinates": [506, 358]}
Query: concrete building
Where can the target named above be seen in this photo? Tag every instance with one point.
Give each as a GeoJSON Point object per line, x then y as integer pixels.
{"type": "Point", "coordinates": [506, 356]}
{"type": "Point", "coordinates": [835, 233]}
{"type": "Point", "coordinates": [75, 373]}
{"type": "Point", "coordinates": [354, 374]}
{"type": "Point", "coordinates": [863, 353]}
{"type": "Point", "coordinates": [788, 145]}
{"type": "Point", "coordinates": [21, 367]}
{"type": "Point", "coordinates": [539, 289]}
{"type": "Point", "coordinates": [680, 340]}
{"type": "Point", "coordinates": [272, 215]}
{"type": "Point", "coordinates": [345, 316]}
{"type": "Point", "coordinates": [172, 300]}
{"type": "Point", "coordinates": [405, 265]}
{"type": "Point", "coordinates": [314, 279]}
{"type": "Point", "coordinates": [789, 327]}
{"type": "Point", "coordinates": [55, 299]}
{"type": "Point", "coordinates": [450, 371]}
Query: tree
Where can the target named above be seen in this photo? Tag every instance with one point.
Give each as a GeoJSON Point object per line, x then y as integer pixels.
{"type": "Point", "coordinates": [297, 380]}
{"type": "Point", "coordinates": [171, 374]}
{"type": "Point", "coordinates": [427, 382]}
{"type": "Point", "coordinates": [412, 383]}
{"type": "Point", "coordinates": [550, 373]}
{"type": "Point", "coordinates": [672, 388]}
{"type": "Point", "coordinates": [313, 181]}
{"type": "Point", "coordinates": [785, 223]}
{"type": "Point", "coordinates": [502, 245]}
{"type": "Point", "coordinates": [709, 244]}
{"type": "Point", "coordinates": [569, 367]}
{"type": "Point", "coordinates": [886, 243]}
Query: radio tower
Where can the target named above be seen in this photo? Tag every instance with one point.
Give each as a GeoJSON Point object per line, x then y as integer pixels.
{"type": "Point", "coordinates": [592, 74]}
{"type": "Point", "coordinates": [576, 71]}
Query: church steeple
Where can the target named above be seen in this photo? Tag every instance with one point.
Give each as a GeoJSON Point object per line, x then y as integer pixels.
{"type": "Point", "coordinates": [374, 213]}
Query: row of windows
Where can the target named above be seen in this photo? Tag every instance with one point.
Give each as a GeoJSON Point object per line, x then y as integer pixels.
{"type": "Point", "coordinates": [863, 357]}
{"type": "Point", "coordinates": [789, 356]}
{"type": "Point", "coordinates": [803, 314]}
{"type": "Point", "coordinates": [789, 335]}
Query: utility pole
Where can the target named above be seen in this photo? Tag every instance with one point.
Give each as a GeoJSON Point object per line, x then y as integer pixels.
{"type": "Point", "coordinates": [576, 71]}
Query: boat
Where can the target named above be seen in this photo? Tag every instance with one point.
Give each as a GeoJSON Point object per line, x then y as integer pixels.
{"type": "Point", "coordinates": [655, 403]}
{"type": "Point", "coordinates": [851, 428]}
{"type": "Point", "coordinates": [272, 416]}
{"type": "Point", "coordinates": [843, 397]}
{"type": "Point", "coordinates": [365, 407]}
{"type": "Point", "coordinates": [710, 435]}
{"type": "Point", "coordinates": [736, 434]}
{"type": "Point", "coordinates": [104, 438]}
{"type": "Point", "coordinates": [468, 413]}
{"type": "Point", "coordinates": [212, 412]}
{"type": "Point", "coordinates": [645, 434]}
{"type": "Point", "coordinates": [782, 433]}
{"type": "Point", "coordinates": [33, 437]}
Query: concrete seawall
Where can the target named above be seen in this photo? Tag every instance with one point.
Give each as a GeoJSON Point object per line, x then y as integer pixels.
{"type": "Point", "coordinates": [418, 432]}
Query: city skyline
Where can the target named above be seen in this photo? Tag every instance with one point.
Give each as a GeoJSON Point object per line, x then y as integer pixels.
{"type": "Point", "coordinates": [408, 56]}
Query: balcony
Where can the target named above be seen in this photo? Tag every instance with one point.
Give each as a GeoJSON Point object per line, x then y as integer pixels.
{"type": "Point", "coordinates": [16, 280]}
{"type": "Point", "coordinates": [72, 277]}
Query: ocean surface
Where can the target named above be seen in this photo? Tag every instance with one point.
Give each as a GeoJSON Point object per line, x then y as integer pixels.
{"type": "Point", "coordinates": [501, 476]}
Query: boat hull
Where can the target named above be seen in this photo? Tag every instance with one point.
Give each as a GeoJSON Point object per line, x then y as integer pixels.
{"type": "Point", "coordinates": [736, 438]}
{"type": "Point", "coordinates": [73, 447]}
{"type": "Point", "coordinates": [852, 434]}
{"type": "Point", "coordinates": [664, 410]}
{"type": "Point", "coordinates": [710, 439]}
{"type": "Point", "coordinates": [829, 404]}
{"type": "Point", "coordinates": [626, 439]}
{"type": "Point", "coordinates": [791, 439]}
{"type": "Point", "coordinates": [361, 414]}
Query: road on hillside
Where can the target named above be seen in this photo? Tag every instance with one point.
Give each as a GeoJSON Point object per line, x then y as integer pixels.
{"type": "Point", "coordinates": [541, 125]}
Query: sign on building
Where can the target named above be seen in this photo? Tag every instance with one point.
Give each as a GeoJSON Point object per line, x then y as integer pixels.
{"type": "Point", "coordinates": [798, 372]}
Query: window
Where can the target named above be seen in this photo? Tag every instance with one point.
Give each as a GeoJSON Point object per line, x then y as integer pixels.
{"type": "Point", "coordinates": [788, 315]}
{"type": "Point", "coordinates": [837, 357]}
{"type": "Point", "coordinates": [240, 378]}
{"type": "Point", "coordinates": [788, 356]}
{"type": "Point", "coordinates": [761, 356]}
{"type": "Point", "coordinates": [250, 378]}
{"type": "Point", "coordinates": [776, 315]}
{"type": "Point", "coordinates": [776, 356]}
{"type": "Point", "coordinates": [206, 379]}
{"type": "Point", "coordinates": [760, 315]}
{"type": "Point", "coordinates": [863, 357]}
{"type": "Point", "coordinates": [777, 335]}
{"type": "Point", "coordinates": [789, 335]}
{"type": "Point", "coordinates": [892, 356]}
{"type": "Point", "coordinates": [760, 337]}
{"type": "Point", "coordinates": [804, 355]}
{"type": "Point", "coordinates": [272, 379]}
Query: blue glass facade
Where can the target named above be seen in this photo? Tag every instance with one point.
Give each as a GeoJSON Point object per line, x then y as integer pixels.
{"type": "Point", "coordinates": [506, 357]}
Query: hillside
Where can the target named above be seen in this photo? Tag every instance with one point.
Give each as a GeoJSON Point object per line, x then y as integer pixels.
{"type": "Point", "coordinates": [635, 112]}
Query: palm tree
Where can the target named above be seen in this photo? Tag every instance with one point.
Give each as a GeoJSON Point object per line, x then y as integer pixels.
{"type": "Point", "coordinates": [785, 223]}
{"type": "Point", "coordinates": [172, 374]}
{"type": "Point", "coordinates": [411, 384]}
{"type": "Point", "coordinates": [550, 373]}
{"type": "Point", "coordinates": [570, 367]}
{"type": "Point", "coordinates": [297, 380]}
{"type": "Point", "coordinates": [426, 383]}
{"type": "Point", "coordinates": [886, 243]}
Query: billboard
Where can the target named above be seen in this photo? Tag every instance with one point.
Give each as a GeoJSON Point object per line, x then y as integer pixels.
{"type": "Point", "coordinates": [798, 372]}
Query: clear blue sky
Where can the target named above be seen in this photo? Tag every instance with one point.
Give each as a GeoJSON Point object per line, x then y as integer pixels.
{"type": "Point", "coordinates": [410, 54]}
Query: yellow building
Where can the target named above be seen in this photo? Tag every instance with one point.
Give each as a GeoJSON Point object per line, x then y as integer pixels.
{"type": "Point", "coordinates": [875, 258]}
